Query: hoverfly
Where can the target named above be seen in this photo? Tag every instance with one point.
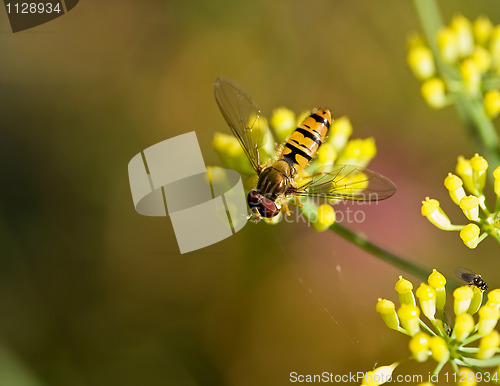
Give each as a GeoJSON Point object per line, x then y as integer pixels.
{"type": "Point", "coordinates": [282, 179]}
{"type": "Point", "coordinates": [471, 278]}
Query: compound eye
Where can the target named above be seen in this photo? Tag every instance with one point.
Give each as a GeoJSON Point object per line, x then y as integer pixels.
{"type": "Point", "coordinates": [268, 208]}
{"type": "Point", "coordinates": [253, 199]}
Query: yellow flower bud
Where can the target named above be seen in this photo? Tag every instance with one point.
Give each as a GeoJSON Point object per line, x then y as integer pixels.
{"type": "Point", "coordinates": [326, 154]}
{"type": "Point", "coordinates": [466, 377]}
{"type": "Point", "coordinates": [479, 168]}
{"type": "Point", "coordinates": [421, 62]}
{"type": "Point", "coordinates": [231, 153]}
{"type": "Point", "coordinates": [470, 235]}
{"type": "Point", "coordinates": [464, 325]}
{"type": "Point", "coordinates": [496, 175]}
{"type": "Point", "coordinates": [476, 301]}
{"type": "Point", "coordinates": [464, 170]}
{"type": "Point", "coordinates": [378, 376]}
{"type": "Point", "coordinates": [409, 316]}
{"type": "Point", "coordinates": [448, 45]}
{"type": "Point", "coordinates": [283, 123]}
{"type": "Point", "coordinates": [419, 346]}
{"type": "Point", "coordinates": [492, 103]}
{"type": "Point", "coordinates": [462, 298]}
{"type": "Point", "coordinates": [358, 152]}
{"type": "Point", "coordinates": [427, 297]}
{"type": "Point", "coordinates": [438, 282]}
{"type": "Point", "coordinates": [488, 318]}
{"type": "Point", "coordinates": [471, 76]}
{"type": "Point", "coordinates": [454, 184]}
{"type": "Point", "coordinates": [463, 32]}
{"type": "Point", "coordinates": [482, 58]}
{"type": "Point", "coordinates": [387, 311]}
{"type": "Point", "coordinates": [340, 131]}
{"type": "Point", "coordinates": [494, 47]}
{"type": "Point", "coordinates": [481, 29]}
{"type": "Point", "coordinates": [488, 345]}
{"type": "Point", "coordinates": [439, 349]}
{"type": "Point", "coordinates": [470, 207]}
{"type": "Point", "coordinates": [494, 298]}
{"type": "Point", "coordinates": [432, 210]}
{"type": "Point", "coordinates": [433, 91]}
{"type": "Point", "coordinates": [326, 217]}
{"type": "Point", "coordinates": [404, 289]}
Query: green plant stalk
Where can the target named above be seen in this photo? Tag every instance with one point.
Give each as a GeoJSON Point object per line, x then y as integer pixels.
{"type": "Point", "coordinates": [310, 211]}
{"type": "Point", "coordinates": [470, 110]}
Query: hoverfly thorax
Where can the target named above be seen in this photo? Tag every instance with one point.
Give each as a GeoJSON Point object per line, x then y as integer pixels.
{"type": "Point", "coordinates": [275, 180]}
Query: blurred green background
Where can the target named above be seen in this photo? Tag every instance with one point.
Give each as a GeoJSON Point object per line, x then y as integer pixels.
{"type": "Point", "coordinates": [92, 293]}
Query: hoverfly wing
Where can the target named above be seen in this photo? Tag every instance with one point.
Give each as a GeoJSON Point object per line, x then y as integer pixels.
{"type": "Point", "coordinates": [465, 274]}
{"type": "Point", "coordinates": [346, 182]}
{"type": "Point", "coordinates": [243, 117]}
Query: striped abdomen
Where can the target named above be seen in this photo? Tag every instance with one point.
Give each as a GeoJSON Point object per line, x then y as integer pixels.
{"type": "Point", "coordinates": [303, 144]}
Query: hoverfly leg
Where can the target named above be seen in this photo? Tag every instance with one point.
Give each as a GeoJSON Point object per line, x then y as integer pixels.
{"type": "Point", "coordinates": [296, 198]}
{"type": "Point", "coordinates": [285, 206]}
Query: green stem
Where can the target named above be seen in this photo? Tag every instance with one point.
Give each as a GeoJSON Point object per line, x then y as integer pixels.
{"type": "Point", "coordinates": [384, 255]}
{"type": "Point", "coordinates": [310, 212]}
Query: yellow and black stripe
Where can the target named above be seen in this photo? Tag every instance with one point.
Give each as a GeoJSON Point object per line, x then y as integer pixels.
{"type": "Point", "coordinates": [304, 142]}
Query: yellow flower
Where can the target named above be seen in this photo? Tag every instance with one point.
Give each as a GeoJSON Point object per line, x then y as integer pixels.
{"type": "Point", "coordinates": [283, 122]}
{"type": "Point", "coordinates": [488, 345]}
{"type": "Point", "coordinates": [439, 349]}
{"type": "Point", "coordinates": [470, 235]}
{"type": "Point", "coordinates": [454, 184]}
{"type": "Point", "coordinates": [358, 152]}
{"type": "Point", "coordinates": [471, 76]}
{"type": "Point", "coordinates": [434, 213]}
{"type": "Point", "coordinates": [479, 167]}
{"type": "Point", "coordinates": [470, 207]}
{"type": "Point", "coordinates": [482, 58]}
{"type": "Point", "coordinates": [404, 288]}
{"type": "Point", "coordinates": [438, 282]}
{"type": "Point", "coordinates": [427, 297]}
{"type": "Point", "coordinates": [464, 170]}
{"type": "Point", "coordinates": [466, 377]}
{"type": "Point", "coordinates": [326, 217]}
{"type": "Point", "coordinates": [463, 31]}
{"type": "Point", "coordinates": [421, 62]}
{"type": "Point", "coordinates": [433, 91]}
{"type": "Point", "coordinates": [463, 296]}
{"type": "Point", "coordinates": [387, 311]}
{"type": "Point", "coordinates": [481, 29]}
{"type": "Point", "coordinates": [492, 103]}
{"type": "Point", "coordinates": [464, 325]}
{"type": "Point", "coordinates": [340, 131]}
{"type": "Point", "coordinates": [231, 153]}
{"type": "Point", "coordinates": [409, 316]}
{"type": "Point", "coordinates": [419, 346]}
{"type": "Point", "coordinates": [488, 318]}
{"type": "Point", "coordinates": [378, 376]}
{"type": "Point", "coordinates": [448, 45]}
{"type": "Point", "coordinates": [496, 175]}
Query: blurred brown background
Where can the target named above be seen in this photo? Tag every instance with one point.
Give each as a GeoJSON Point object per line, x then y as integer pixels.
{"type": "Point", "coordinates": [91, 293]}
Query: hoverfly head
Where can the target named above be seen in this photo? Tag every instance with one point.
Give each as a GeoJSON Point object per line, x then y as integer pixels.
{"type": "Point", "coordinates": [261, 205]}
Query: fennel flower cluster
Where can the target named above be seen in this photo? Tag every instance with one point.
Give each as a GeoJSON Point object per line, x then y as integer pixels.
{"type": "Point", "coordinates": [337, 149]}
{"type": "Point", "coordinates": [438, 338]}
{"type": "Point", "coordinates": [466, 189]}
{"type": "Point", "coordinates": [463, 61]}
